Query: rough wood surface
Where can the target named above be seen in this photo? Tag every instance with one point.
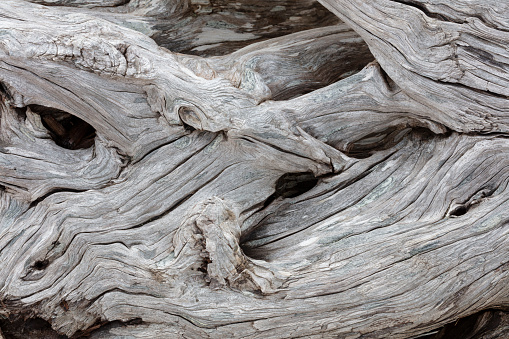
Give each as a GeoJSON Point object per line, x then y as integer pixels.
{"type": "Point", "coordinates": [328, 182]}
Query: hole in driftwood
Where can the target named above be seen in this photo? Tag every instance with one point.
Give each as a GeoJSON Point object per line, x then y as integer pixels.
{"type": "Point", "coordinates": [478, 325]}
{"type": "Point", "coordinates": [68, 131]}
{"type": "Point", "coordinates": [291, 185]}
{"type": "Point", "coordinates": [22, 328]}
{"type": "Point", "coordinates": [41, 264]}
{"type": "Point", "coordinates": [475, 199]}
{"type": "Point", "coordinates": [459, 211]}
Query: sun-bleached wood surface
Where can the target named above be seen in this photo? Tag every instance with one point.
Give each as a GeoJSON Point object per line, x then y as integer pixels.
{"type": "Point", "coordinates": [293, 177]}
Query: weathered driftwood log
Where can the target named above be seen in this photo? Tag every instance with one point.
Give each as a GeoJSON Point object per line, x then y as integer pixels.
{"type": "Point", "coordinates": [292, 188]}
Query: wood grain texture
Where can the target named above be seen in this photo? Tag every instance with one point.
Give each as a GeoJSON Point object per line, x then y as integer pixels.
{"type": "Point", "coordinates": [206, 27]}
{"type": "Point", "coordinates": [456, 66]}
{"type": "Point", "coordinates": [331, 182]}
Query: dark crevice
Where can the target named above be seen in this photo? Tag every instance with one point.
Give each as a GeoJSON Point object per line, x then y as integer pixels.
{"type": "Point", "coordinates": [119, 4]}
{"type": "Point", "coordinates": [288, 186]}
{"type": "Point", "coordinates": [68, 131]}
{"type": "Point", "coordinates": [93, 4]}
{"type": "Point", "coordinates": [291, 185]}
{"type": "Point", "coordinates": [36, 271]}
{"type": "Point", "coordinates": [188, 118]}
{"type": "Point", "coordinates": [8, 186]}
{"type": "Point", "coordinates": [188, 128]}
{"type": "Point", "coordinates": [18, 327]}
{"type": "Point", "coordinates": [247, 140]}
{"type": "Point", "coordinates": [154, 150]}
{"type": "Point", "coordinates": [481, 324]}
{"type": "Point", "coordinates": [34, 203]}
{"type": "Point", "coordinates": [4, 92]}
{"type": "Point", "coordinates": [41, 264]}
{"type": "Point", "coordinates": [256, 20]}
{"type": "Point", "coordinates": [98, 324]}
{"type": "Point", "coordinates": [391, 85]}
{"type": "Point", "coordinates": [444, 18]}
{"type": "Point", "coordinates": [475, 199]}
{"type": "Point", "coordinates": [485, 57]}
{"type": "Point", "coordinates": [429, 14]}
{"type": "Point", "coordinates": [22, 112]}
{"type": "Point", "coordinates": [459, 210]}
{"type": "Point", "coordinates": [494, 95]}
{"type": "Point", "coordinates": [379, 141]}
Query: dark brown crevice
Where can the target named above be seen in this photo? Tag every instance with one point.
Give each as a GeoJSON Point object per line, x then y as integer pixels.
{"type": "Point", "coordinates": [67, 130]}
{"type": "Point", "coordinates": [291, 185]}
{"type": "Point", "coordinates": [119, 4]}
{"type": "Point", "coordinates": [25, 326]}
{"type": "Point", "coordinates": [487, 324]}
{"type": "Point", "coordinates": [378, 141]}
{"type": "Point", "coordinates": [95, 326]}
{"type": "Point", "coordinates": [17, 327]}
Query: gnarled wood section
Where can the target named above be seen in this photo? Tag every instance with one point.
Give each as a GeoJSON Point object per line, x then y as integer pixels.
{"type": "Point", "coordinates": [218, 27]}
{"type": "Point", "coordinates": [449, 55]}
{"type": "Point", "coordinates": [293, 188]}
{"type": "Point", "coordinates": [207, 27]}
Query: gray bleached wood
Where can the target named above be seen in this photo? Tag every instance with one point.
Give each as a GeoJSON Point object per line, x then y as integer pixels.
{"type": "Point", "coordinates": [456, 66]}
{"type": "Point", "coordinates": [205, 27]}
{"type": "Point", "coordinates": [183, 212]}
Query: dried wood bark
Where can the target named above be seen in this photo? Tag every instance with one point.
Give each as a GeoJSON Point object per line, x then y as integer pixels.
{"type": "Point", "coordinates": [327, 179]}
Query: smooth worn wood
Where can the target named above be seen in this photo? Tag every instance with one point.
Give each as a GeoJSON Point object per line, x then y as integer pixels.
{"type": "Point", "coordinates": [312, 178]}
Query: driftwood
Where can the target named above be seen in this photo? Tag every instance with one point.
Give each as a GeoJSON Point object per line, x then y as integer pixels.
{"type": "Point", "coordinates": [290, 175]}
